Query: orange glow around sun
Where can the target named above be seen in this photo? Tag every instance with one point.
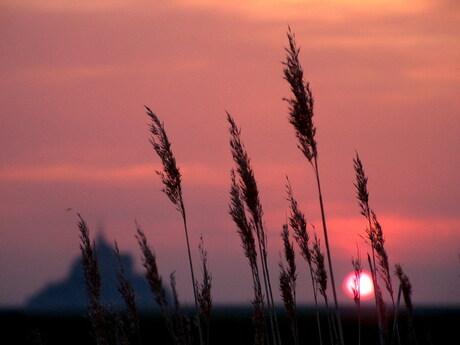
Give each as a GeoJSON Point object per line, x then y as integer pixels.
{"type": "Point", "coordinates": [365, 285]}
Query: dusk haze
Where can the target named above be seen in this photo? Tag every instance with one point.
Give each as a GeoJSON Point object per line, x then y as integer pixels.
{"type": "Point", "coordinates": [74, 136]}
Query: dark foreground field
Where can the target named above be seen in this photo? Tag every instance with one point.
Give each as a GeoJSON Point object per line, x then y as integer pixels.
{"type": "Point", "coordinates": [230, 325]}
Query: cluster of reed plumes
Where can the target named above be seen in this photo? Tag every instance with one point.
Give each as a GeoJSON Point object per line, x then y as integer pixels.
{"type": "Point", "coordinates": [246, 211]}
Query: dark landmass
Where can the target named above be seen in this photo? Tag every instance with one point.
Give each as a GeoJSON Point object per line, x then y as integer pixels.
{"type": "Point", "coordinates": [229, 325]}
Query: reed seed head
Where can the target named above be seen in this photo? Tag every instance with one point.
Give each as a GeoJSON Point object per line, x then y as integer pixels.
{"type": "Point", "coordinates": [246, 181]}
{"type": "Point", "coordinates": [406, 286]}
{"type": "Point", "coordinates": [151, 270]}
{"type": "Point", "coordinates": [362, 193]}
{"type": "Point", "coordinates": [298, 223]}
{"type": "Point", "coordinates": [170, 175]}
{"type": "Point", "coordinates": [356, 287]}
{"type": "Point", "coordinates": [204, 289]}
{"type": "Point", "coordinates": [301, 104]}
{"type": "Point", "coordinates": [320, 270]}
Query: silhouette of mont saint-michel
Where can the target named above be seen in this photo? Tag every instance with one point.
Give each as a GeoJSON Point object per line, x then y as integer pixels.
{"type": "Point", "coordinates": [71, 294]}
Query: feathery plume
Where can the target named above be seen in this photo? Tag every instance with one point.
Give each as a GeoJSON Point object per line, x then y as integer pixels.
{"type": "Point", "coordinates": [298, 223]}
{"type": "Point", "coordinates": [320, 270]}
{"type": "Point", "coordinates": [406, 289]}
{"type": "Point", "coordinates": [356, 287]}
{"type": "Point", "coordinates": [204, 289]}
{"type": "Point", "coordinates": [245, 228]}
{"type": "Point", "coordinates": [361, 187]}
{"type": "Point", "coordinates": [301, 105]}
{"type": "Point", "coordinates": [152, 274]}
{"type": "Point", "coordinates": [381, 254]}
{"type": "Point", "coordinates": [170, 176]}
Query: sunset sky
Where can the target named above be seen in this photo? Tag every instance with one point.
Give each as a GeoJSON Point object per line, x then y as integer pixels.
{"type": "Point", "coordinates": [75, 76]}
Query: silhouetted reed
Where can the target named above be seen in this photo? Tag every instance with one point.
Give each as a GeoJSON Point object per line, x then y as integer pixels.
{"type": "Point", "coordinates": [246, 233]}
{"type": "Point", "coordinates": [204, 290]}
{"type": "Point", "coordinates": [301, 117]}
{"type": "Point", "coordinates": [288, 282]}
{"type": "Point", "coordinates": [250, 195]}
{"type": "Point", "coordinates": [321, 279]}
{"type": "Point", "coordinates": [406, 288]}
{"type": "Point", "coordinates": [155, 280]}
{"type": "Point", "coordinates": [246, 211]}
{"type": "Point", "coordinates": [97, 312]}
{"type": "Point", "coordinates": [382, 256]}
{"type": "Point", "coordinates": [172, 178]}
{"type": "Point", "coordinates": [379, 303]}
{"type": "Point", "coordinates": [298, 223]}
{"type": "Point", "coordinates": [375, 238]}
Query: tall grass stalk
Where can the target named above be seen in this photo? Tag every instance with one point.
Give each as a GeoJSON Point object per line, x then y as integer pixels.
{"type": "Point", "coordinates": [97, 312]}
{"type": "Point", "coordinates": [250, 196]}
{"type": "Point", "coordinates": [301, 117]}
{"type": "Point", "coordinates": [246, 232]}
{"type": "Point", "coordinates": [172, 180]}
{"type": "Point", "coordinates": [375, 238]}
{"type": "Point", "coordinates": [374, 232]}
{"type": "Point", "coordinates": [288, 282]}
{"type": "Point", "coordinates": [298, 223]}
{"type": "Point", "coordinates": [362, 195]}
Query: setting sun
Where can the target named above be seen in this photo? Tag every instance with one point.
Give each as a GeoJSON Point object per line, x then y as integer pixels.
{"type": "Point", "coordinates": [365, 285]}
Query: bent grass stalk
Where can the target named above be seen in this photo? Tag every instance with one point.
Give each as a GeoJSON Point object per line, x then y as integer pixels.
{"type": "Point", "coordinates": [172, 180]}
{"type": "Point", "coordinates": [250, 196]}
{"type": "Point", "coordinates": [246, 233]}
{"type": "Point", "coordinates": [154, 279]}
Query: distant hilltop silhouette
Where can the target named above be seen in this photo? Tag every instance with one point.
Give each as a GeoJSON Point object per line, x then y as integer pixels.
{"type": "Point", "coordinates": [70, 294]}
